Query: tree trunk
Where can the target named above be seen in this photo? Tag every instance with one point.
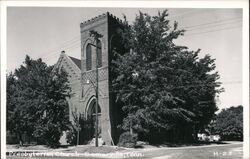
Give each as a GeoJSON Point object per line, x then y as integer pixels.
{"type": "Point", "coordinates": [20, 139]}
{"type": "Point", "coordinates": [195, 132]}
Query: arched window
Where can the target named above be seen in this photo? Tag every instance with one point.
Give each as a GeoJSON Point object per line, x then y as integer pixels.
{"type": "Point", "coordinates": [88, 57]}
{"type": "Point", "coordinates": [99, 53]}
{"type": "Point", "coordinates": [93, 110]}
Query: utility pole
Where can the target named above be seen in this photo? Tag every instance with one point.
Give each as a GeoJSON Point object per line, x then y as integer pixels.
{"type": "Point", "coordinates": [96, 35]}
{"type": "Point", "coordinates": [78, 129]}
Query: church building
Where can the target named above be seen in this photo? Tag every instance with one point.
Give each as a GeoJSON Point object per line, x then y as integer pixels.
{"type": "Point", "coordinates": [82, 75]}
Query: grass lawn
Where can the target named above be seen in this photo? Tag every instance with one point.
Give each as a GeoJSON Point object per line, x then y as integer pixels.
{"type": "Point", "coordinates": [93, 149]}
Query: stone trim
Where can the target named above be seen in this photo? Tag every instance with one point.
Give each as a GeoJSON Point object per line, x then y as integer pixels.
{"type": "Point", "coordinates": [91, 74]}
{"type": "Point", "coordinates": [99, 17]}
{"type": "Point", "coordinates": [93, 20]}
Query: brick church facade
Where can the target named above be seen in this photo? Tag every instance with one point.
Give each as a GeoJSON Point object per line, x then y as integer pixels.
{"type": "Point", "coordinates": [82, 75]}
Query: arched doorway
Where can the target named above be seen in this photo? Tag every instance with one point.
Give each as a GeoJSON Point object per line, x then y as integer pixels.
{"type": "Point", "coordinates": [91, 117]}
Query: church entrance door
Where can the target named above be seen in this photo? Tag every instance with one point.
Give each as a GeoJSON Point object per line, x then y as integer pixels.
{"type": "Point", "coordinates": [91, 116]}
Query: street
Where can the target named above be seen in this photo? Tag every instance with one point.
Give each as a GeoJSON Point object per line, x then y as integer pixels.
{"type": "Point", "coordinates": [226, 151]}
{"type": "Point", "coordinates": [232, 151]}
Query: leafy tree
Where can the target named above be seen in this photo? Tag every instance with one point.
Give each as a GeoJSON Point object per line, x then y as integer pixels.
{"type": "Point", "coordinates": [229, 124]}
{"type": "Point", "coordinates": [16, 121]}
{"type": "Point", "coordinates": [36, 101]}
{"type": "Point", "coordinates": [165, 91]}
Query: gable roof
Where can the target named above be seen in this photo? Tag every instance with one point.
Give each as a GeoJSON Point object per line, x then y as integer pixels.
{"type": "Point", "coordinates": [76, 61]}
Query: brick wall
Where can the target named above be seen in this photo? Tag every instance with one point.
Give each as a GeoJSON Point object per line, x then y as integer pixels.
{"type": "Point", "coordinates": [99, 24]}
{"type": "Point", "coordinates": [74, 77]}
{"type": "Point", "coordinates": [82, 92]}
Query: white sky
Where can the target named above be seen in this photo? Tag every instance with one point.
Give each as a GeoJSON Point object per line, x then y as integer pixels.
{"type": "Point", "coordinates": [44, 32]}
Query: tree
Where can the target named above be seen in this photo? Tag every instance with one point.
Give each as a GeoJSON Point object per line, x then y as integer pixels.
{"type": "Point", "coordinates": [165, 90]}
{"type": "Point", "coordinates": [36, 101]}
{"type": "Point", "coordinates": [16, 122]}
{"type": "Point", "coordinates": [229, 123]}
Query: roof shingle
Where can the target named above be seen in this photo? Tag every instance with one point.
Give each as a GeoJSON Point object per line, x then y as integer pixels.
{"type": "Point", "coordinates": [76, 61]}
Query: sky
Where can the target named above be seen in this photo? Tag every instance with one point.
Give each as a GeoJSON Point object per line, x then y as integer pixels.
{"type": "Point", "coordinates": [43, 32]}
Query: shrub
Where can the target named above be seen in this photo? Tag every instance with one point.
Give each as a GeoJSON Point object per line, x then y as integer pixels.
{"type": "Point", "coordinates": [86, 131]}
{"type": "Point", "coordinates": [127, 140]}
{"type": "Point", "coordinates": [71, 136]}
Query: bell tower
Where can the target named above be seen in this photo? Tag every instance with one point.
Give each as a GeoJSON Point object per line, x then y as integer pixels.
{"type": "Point", "coordinates": [96, 52]}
